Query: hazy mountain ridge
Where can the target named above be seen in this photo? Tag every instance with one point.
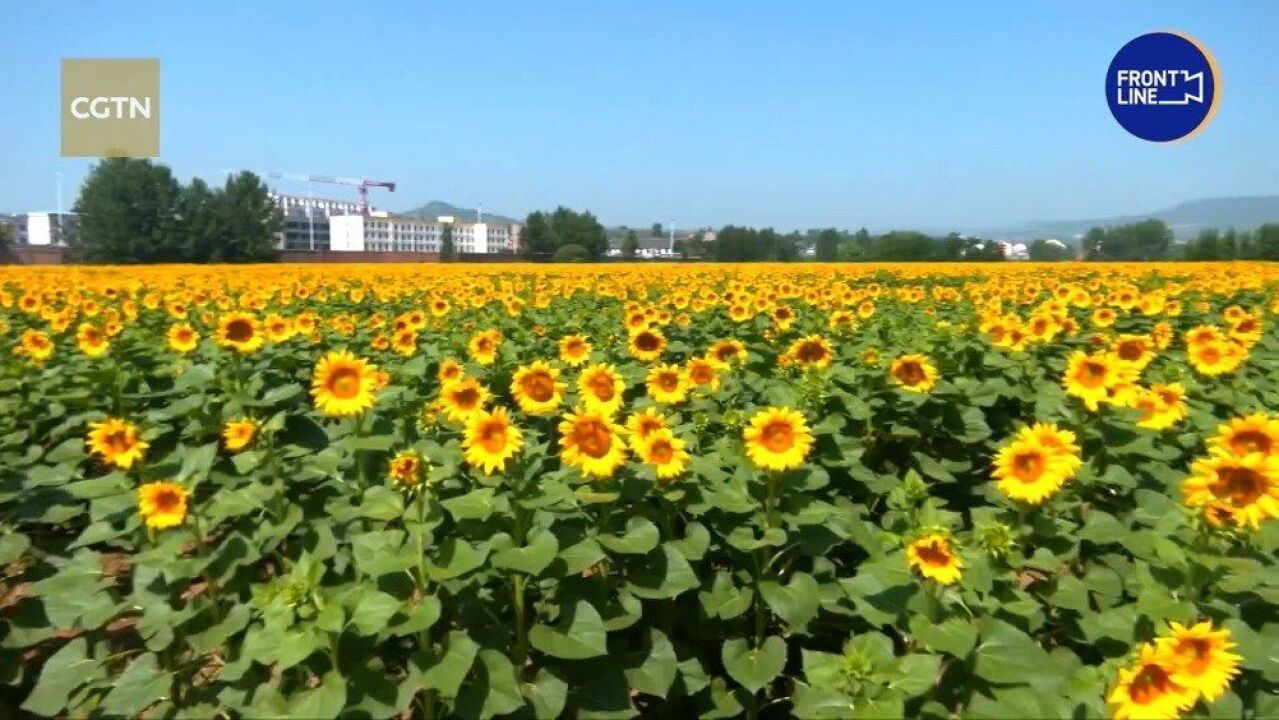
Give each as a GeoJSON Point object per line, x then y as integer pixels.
{"type": "Point", "coordinates": [1185, 219]}
{"type": "Point", "coordinates": [436, 208]}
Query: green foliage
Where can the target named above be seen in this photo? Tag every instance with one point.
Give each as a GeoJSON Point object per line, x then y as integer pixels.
{"type": "Point", "coordinates": [134, 211]}
{"type": "Point", "coordinates": [570, 253]}
{"type": "Point", "coordinates": [630, 245]}
{"type": "Point", "coordinates": [448, 251]}
{"type": "Point", "coordinates": [1144, 240]}
{"type": "Point", "coordinates": [544, 234]}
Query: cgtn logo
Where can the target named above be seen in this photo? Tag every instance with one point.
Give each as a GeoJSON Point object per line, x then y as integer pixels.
{"type": "Point", "coordinates": [1163, 86]}
{"type": "Point", "coordinates": [106, 108]}
{"type": "Point", "coordinates": [110, 107]}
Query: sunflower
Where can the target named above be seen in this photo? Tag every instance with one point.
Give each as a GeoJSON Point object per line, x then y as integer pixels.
{"type": "Point", "coordinates": [644, 423]}
{"type": "Point", "coordinates": [574, 350]}
{"type": "Point", "coordinates": [483, 346]}
{"type": "Point", "coordinates": [1200, 658]}
{"type": "Point", "coordinates": [1255, 433]}
{"type": "Point", "coordinates": [1030, 471]}
{"type": "Point", "coordinates": [913, 373]}
{"type": "Point", "coordinates": [1146, 690]}
{"type": "Point", "coordinates": [1135, 350]}
{"type": "Point", "coordinates": [592, 443]}
{"type": "Point", "coordinates": [777, 439]}
{"type": "Point", "coordinates": [1216, 357]}
{"type": "Point", "coordinates": [646, 345]}
{"type": "Point", "coordinates": [91, 341]}
{"type": "Point", "coordinates": [162, 504]}
{"type": "Point", "coordinates": [449, 371]}
{"type": "Point", "coordinates": [701, 374]}
{"type": "Point", "coordinates": [723, 353]}
{"type": "Point", "coordinates": [463, 399]}
{"type": "Point", "coordinates": [491, 440]}
{"type": "Point", "coordinates": [117, 442]}
{"type": "Point", "coordinates": [537, 388]}
{"type": "Point", "coordinates": [404, 342]}
{"type": "Point", "coordinates": [934, 558]}
{"type": "Point", "coordinates": [182, 338]}
{"type": "Point", "coordinates": [279, 328]}
{"type": "Point", "coordinates": [1161, 406]}
{"type": "Point", "coordinates": [1091, 378]}
{"type": "Point", "coordinates": [237, 434]}
{"type": "Point", "coordinates": [664, 452]}
{"type": "Point", "coordinates": [35, 345]}
{"type": "Point", "coordinates": [405, 469]}
{"type": "Point", "coordinates": [601, 387]}
{"type": "Point", "coordinates": [1247, 486]}
{"type": "Point", "coordinates": [343, 384]}
{"type": "Point", "coordinates": [239, 331]}
{"type": "Point", "coordinates": [667, 384]}
{"type": "Point", "coordinates": [812, 352]}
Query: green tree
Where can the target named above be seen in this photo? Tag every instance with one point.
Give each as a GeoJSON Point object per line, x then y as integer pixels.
{"type": "Point", "coordinates": [1265, 242]}
{"type": "Point", "coordinates": [248, 219]}
{"type": "Point", "coordinates": [448, 251]}
{"type": "Point", "coordinates": [630, 245]}
{"type": "Point", "coordinates": [827, 249]}
{"type": "Point", "coordinates": [573, 228]}
{"type": "Point", "coordinates": [1041, 250]}
{"type": "Point", "coordinates": [200, 221]}
{"type": "Point", "coordinates": [128, 213]}
{"type": "Point", "coordinates": [571, 253]}
{"type": "Point", "coordinates": [1207, 246]}
{"type": "Point", "coordinates": [1144, 240]}
{"type": "Point", "coordinates": [535, 237]}
{"type": "Point", "coordinates": [656, 230]}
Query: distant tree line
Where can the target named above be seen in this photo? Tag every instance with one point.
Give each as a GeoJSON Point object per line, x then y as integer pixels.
{"type": "Point", "coordinates": [135, 211]}
{"type": "Point", "coordinates": [563, 235]}
{"type": "Point", "coordinates": [1212, 244]}
{"type": "Point", "coordinates": [739, 244]}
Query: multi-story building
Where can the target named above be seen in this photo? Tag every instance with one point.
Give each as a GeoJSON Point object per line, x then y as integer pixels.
{"type": "Point", "coordinates": [16, 228]}
{"type": "Point", "coordinates": [387, 232]}
{"type": "Point", "coordinates": [49, 228]}
{"type": "Point", "coordinates": [306, 220]}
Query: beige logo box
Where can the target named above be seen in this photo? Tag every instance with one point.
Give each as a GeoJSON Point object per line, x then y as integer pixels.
{"type": "Point", "coordinates": [110, 107]}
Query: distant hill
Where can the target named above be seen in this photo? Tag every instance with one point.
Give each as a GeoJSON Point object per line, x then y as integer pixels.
{"type": "Point", "coordinates": [1185, 220]}
{"type": "Point", "coordinates": [436, 208]}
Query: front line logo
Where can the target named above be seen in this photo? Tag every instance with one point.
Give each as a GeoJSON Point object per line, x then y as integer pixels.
{"type": "Point", "coordinates": [1163, 86]}
{"type": "Point", "coordinates": [1142, 87]}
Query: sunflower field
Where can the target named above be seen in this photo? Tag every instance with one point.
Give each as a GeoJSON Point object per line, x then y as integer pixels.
{"type": "Point", "coordinates": [672, 491]}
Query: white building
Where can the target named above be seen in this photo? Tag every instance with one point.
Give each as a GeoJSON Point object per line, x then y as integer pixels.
{"type": "Point", "coordinates": [306, 219]}
{"type": "Point", "coordinates": [49, 228]}
{"type": "Point", "coordinates": [387, 232]}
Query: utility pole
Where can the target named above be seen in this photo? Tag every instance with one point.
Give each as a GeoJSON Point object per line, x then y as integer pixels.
{"type": "Point", "coordinates": [671, 228]}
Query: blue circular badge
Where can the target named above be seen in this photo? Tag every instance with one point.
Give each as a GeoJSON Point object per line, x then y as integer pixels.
{"type": "Point", "coordinates": [1162, 86]}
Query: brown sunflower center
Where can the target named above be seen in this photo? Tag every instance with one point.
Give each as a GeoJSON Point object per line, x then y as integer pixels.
{"type": "Point", "coordinates": [601, 386]}
{"type": "Point", "coordinates": [778, 436]}
{"type": "Point", "coordinates": [661, 452]}
{"type": "Point", "coordinates": [910, 373]}
{"type": "Point", "coordinates": [166, 500]}
{"type": "Point", "coordinates": [1131, 350]}
{"type": "Point", "coordinates": [1194, 653]}
{"type": "Point", "coordinates": [810, 351]}
{"type": "Point", "coordinates": [592, 437]}
{"type": "Point", "coordinates": [539, 386]}
{"type": "Point", "coordinates": [1149, 685]}
{"type": "Point", "coordinates": [344, 383]}
{"type": "Point", "coordinates": [492, 435]}
{"type": "Point", "coordinates": [701, 374]}
{"type": "Point", "coordinates": [466, 397]}
{"type": "Point", "coordinates": [1250, 441]}
{"type": "Point", "coordinates": [932, 553]}
{"type": "Point", "coordinates": [1091, 373]}
{"type": "Point", "coordinates": [239, 330]}
{"type": "Point", "coordinates": [668, 381]}
{"type": "Point", "coordinates": [647, 342]}
{"type": "Point", "coordinates": [1029, 465]}
{"type": "Point", "coordinates": [1240, 486]}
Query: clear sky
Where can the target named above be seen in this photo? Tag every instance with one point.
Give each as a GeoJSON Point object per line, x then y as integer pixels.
{"type": "Point", "coordinates": [937, 115]}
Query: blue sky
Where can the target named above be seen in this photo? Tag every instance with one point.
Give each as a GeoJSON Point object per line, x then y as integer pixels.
{"type": "Point", "coordinates": [944, 115]}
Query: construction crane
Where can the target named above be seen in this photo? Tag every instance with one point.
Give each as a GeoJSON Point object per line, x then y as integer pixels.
{"type": "Point", "coordinates": [362, 186]}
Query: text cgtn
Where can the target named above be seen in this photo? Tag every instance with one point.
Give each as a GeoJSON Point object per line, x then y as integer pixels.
{"type": "Point", "coordinates": [107, 108]}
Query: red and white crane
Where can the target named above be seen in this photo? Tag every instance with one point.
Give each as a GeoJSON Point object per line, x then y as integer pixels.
{"type": "Point", "coordinates": [362, 186]}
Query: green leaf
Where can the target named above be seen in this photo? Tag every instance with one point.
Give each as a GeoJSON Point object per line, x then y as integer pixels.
{"type": "Point", "coordinates": [324, 701]}
{"type": "Point", "coordinates": [580, 634]}
{"type": "Point", "coordinates": [381, 503]}
{"type": "Point", "coordinates": [137, 688]}
{"type": "Point", "coordinates": [444, 670]}
{"type": "Point", "coordinates": [531, 559]}
{"type": "Point", "coordinates": [954, 635]}
{"type": "Point", "coordinates": [796, 602]}
{"type": "Point", "coordinates": [724, 599]}
{"type": "Point", "coordinates": [456, 558]}
{"type": "Point", "coordinates": [753, 668]}
{"type": "Point", "coordinates": [1006, 653]}
{"type": "Point", "coordinates": [663, 575]}
{"type": "Point", "coordinates": [493, 691]}
{"type": "Point", "coordinates": [373, 611]}
{"type": "Point", "coordinates": [547, 695]}
{"type": "Point", "coordinates": [821, 703]}
{"type": "Point", "coordinates": [63, 673]}
{"type": "Point", "coordinates": [641, 536]}
{"type": "Point", "coordinates": [656, 672]}
{"type": "Point", "coordinates": [475, 505]}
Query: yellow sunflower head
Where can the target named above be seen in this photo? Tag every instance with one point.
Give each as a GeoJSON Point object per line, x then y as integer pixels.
{"type": "Point", "coordinates": [91, 341]}
{"type": "Point", "coordinates": [1028, 471]}
{"type": "Point", "coordinates": [239, 331]}
{"type": "Point", "coordinates": [601, 387]}
{"type": "Point", "coordinates": [491, 440]}
{"type": "Point", "coordinates": [1255, 433]}
{"type": "Point", "coordinates": [1201, 658]}
{"type": "Point", "coordinates": [913, 373]}
{"type": "Point", "coordinates": [183, 338]}
{"type": "Point", "coordinates": [777, 439]}
{"type": "Point", "coordinates": [667, 384]}
{"type": "Point", "coordinates": [1146, 690]}
{"type": "Point", "coordinates": [344, 384]}
{"type": "Point", "coordinates": [1247, 486]}
{"type": "Point", "coordinates": [574, 350]}
{"type": "Point", "coordinates": [646, 345]}
{"type": "Point", "coordinates": [117, 442]}
{"type": "Point", "coordinates": [162, 504]}
{"type": "Point", "coordinates": [405, 470]}
{"type": "Point", "coordinates": [933, 557]}
{"type": "Point", "coordinates": [238, 434]}
{"type": "Point", "coordinates": [665, 453]}
{"type": "Point", "coordinates": [592, 443]}
{"type": "Point", "coordinates": [537, 388]}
